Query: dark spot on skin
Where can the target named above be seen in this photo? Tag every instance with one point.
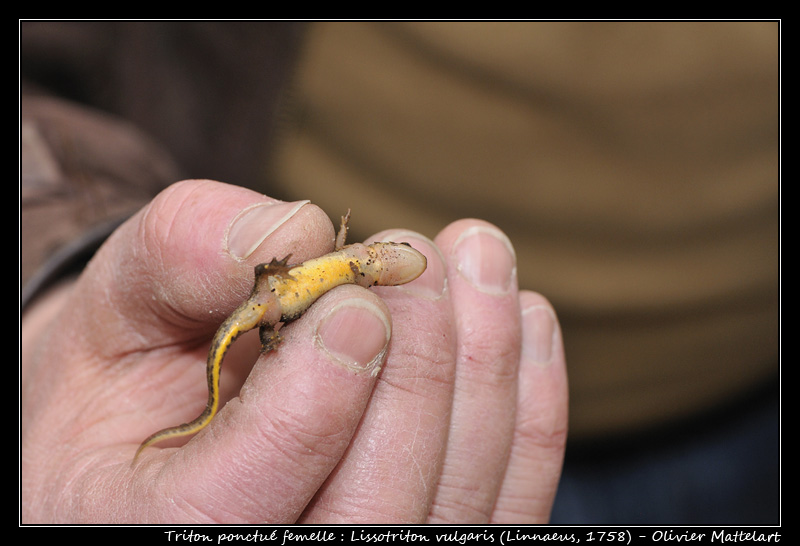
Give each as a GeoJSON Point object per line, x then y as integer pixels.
{"type": "Point", "coordinates": [354, 268]}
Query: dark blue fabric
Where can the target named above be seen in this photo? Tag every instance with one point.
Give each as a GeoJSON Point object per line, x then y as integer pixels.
{"type": "Point", "coordinates": [726, 471]}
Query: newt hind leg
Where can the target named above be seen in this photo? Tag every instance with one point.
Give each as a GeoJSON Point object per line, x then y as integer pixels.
{"type": "Point", "coordinates": [273, 268]}
{"type": "Point", "coordinates": [270, 338]}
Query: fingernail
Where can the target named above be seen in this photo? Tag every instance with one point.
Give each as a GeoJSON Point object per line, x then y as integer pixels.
{"type": "Point", "coordinates": [431, 283]}
{"type": "Point", "coordinates": [356, 335]}
{"type": "Point", "coordinates": [251, 227]}
{"type": "Point", "coordinates": [538, 334]}
{"type": "Point", "coordinates": [486, 259]}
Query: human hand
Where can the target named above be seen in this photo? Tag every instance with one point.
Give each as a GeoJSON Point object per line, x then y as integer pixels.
{"type": "Point", "coordinates": [465, 423]}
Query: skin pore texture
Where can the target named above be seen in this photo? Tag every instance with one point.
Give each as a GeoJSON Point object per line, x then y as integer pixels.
{"type": "Point", "coordinates": [282, 293]}
{"type": "Point", "coordinates": [465, 422]}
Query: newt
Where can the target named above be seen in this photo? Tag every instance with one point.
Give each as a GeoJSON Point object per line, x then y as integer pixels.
{"type": "Point", "coordinates": [282, 293]}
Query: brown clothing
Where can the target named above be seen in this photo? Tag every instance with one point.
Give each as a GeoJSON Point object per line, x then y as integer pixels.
{"type": "Point", "coordinates": [81, 173]}
{"type": "Point", "coordinates": [635, 167]}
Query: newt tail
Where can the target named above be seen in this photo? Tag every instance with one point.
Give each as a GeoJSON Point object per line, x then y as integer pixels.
{"type": "Point", "coordinates": [282, 293]}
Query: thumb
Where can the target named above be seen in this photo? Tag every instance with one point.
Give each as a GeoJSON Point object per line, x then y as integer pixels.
{"type": "Point", "coordinates": [178, 267]}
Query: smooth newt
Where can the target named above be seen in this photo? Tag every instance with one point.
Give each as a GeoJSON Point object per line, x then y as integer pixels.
{"type": "Point", "coordinates": [282, 293]}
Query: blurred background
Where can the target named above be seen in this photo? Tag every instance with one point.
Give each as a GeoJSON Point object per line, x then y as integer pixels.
{"type": "Point", "coordinates": [634, 165]}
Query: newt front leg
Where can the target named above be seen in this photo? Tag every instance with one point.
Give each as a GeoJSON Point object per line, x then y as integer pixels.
{"type": "Point", "coordinates": [282, 293]}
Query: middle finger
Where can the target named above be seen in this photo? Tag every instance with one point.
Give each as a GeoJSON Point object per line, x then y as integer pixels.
{"type": "Point", "coordinates": [482, 280]}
